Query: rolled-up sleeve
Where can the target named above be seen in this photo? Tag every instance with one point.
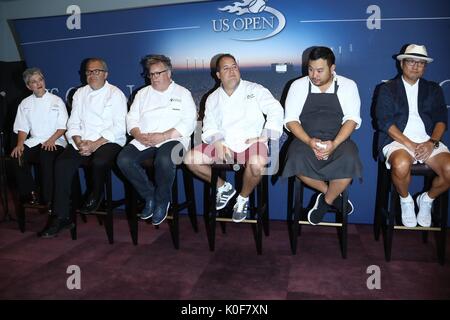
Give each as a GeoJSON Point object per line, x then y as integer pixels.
{"type": "Point", "coordinates": [187, 123]}
{"type": "Point", "coordinates": [74, 121]}
{"type": "Point", "coordinates": [351, 103]}
{"type": "Point", "coordinates": [20, 122]}
{"type": "Point", "coordinates": [271, 107]}
{"type": "Point", "coordinates": [119, 112]}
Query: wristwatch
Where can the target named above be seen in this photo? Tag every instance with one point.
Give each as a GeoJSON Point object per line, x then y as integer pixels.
{"type": "Point", "coordinates": [435, 143]}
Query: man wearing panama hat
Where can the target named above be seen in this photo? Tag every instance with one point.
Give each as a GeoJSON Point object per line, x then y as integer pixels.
{"type": "Point", "coordinates": [412, 118]}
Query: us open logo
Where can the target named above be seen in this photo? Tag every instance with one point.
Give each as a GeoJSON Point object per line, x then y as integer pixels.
{"type": "Point", "coordinates": [253, 15]}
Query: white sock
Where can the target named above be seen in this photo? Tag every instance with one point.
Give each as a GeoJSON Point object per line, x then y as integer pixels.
{"type": "Point", "coordinates": [241, 198]}
{"type": "Point", "coordinates": [407, 199]}
{"type": "Point", "coordinates": [225, 187]}
{"type": "Point", "coordinates": [427, 198]}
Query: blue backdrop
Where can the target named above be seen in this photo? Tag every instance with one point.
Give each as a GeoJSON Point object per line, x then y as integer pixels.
{"type": "Point", "coordinates": [259, 33]}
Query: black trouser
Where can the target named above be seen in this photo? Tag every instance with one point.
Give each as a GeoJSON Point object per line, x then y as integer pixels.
{"type": "Point", "coordinates": [66, 168]}
{"type": "Point", "coordinates": [24, 178]}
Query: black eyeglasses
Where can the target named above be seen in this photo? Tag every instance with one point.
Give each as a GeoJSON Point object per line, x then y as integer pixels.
{"type": "Point", "coordinates": [95, 72]}
{"type": "Point", "coordinates": [156, 74]}
{"type": "Point", "coordinates": [411, 62]}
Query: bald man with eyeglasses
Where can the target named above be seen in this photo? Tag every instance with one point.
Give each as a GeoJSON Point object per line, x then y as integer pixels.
{"type": "Point", "coordinates": [96, 133]}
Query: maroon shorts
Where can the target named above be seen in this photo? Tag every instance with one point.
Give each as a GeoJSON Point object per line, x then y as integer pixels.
{"type": "Point", "coordinates": [243, 157]}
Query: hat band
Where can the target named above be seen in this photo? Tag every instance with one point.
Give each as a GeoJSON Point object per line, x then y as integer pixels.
{"type": "Point", "coordinates": [416, 54]}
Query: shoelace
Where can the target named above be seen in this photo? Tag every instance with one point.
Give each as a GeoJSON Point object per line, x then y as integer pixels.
{"type": "Point", "coordinates": [242, 206]}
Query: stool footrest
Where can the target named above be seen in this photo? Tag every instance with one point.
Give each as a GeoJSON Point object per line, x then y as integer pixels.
{"type": "Point", "coordinates": [418, 228]}
{"type": "Point", "coordinates": [231, 220]}
{"type": "Point", "coordinates": [325, 224]}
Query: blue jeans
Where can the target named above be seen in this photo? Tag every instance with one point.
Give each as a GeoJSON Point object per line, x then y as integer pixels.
{"type": "Point", "coordinates": [129, 162]}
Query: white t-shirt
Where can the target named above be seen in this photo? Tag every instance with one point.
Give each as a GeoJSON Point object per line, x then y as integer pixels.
{"type": "Point", "coordinates": [41, 117]}
{"type": "Point", "coordinates": [415, 128]}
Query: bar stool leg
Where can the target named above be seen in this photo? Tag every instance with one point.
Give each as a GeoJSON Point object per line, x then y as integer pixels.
{"type": "Point", "coordinates": [75, 204]}
{"type": "Point", "coordinates": [109, 213]}
{"type": "Point", "coordinates": [265, 204]}
{"type": "Point", "coordinates": [131, 211]}
{"type": "Point", "coordinates": [442, 236]}
{"type": "Point", "coordinates": [381, 198]}
{"type": "Point", "coordinates": [298, 204]}
{"type": "Point", "coordinates": [344, 231]}
{"type": "Point", "coordinates": [390, 223]}
{"type": "Point", "coordinates": [259, 222]}
{"type": "Point", "coordinates": [188, 182]}
{"type": "Point", "coordinates": [211, 225]}
{"type": "Point", "coordinates": [20, 216]}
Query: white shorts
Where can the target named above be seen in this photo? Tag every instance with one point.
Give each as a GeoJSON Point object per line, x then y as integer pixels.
{"type": "Point", "coordinates": [394, 146]}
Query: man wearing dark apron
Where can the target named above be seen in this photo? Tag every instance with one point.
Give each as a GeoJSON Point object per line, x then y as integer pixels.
{"type": "Point", "coordinates": [322, 111]}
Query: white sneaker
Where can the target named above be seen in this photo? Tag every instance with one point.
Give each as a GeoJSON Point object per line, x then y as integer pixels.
{"type": "Point", "coordinates": [408, 214]}
{"type": "Point", "coordinates": [424, 215]}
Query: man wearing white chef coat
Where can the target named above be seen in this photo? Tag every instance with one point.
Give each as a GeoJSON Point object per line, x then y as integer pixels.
{"type": "Point", "coordinates": [161, 120]}
{"type": "Point", "coordinates": [96, 134]}
{"type": "Point", "coordinates": [240, 117]}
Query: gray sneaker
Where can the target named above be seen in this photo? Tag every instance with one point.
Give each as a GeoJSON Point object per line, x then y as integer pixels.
{"type": "Point", "coordinates": [222, 198]}
{"type": "Point", "coordinates": [240, 210]}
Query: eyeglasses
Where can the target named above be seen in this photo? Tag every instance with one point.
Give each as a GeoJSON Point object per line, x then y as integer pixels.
{"type": "Point", "coordinates": [156, 74]}
{"type": "Point", "coordinates": [95, 72]}
{"type": "Point", "coordinates": [410, 62]}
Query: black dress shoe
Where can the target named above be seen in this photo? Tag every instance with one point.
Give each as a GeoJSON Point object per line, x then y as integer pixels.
{"type": "Point", "coordinates": [49, 209]}
{"type": "Point", "coordinates": [32, 198]}
{"type": "Point", "coordinates": [56, 226]}
{"type": "Point", "coordinates": [92, 203]}
{"type": "Point", "coordinates": [50, 221]}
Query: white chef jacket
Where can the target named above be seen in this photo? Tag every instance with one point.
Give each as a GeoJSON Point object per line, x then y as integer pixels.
{"type": "Point", "coordinates": [347, 94]}
{"type": "Point", "coordinates": [41, 117]}
{"type": "Point", "coordinates": [240, 116]}
{"type": "Point", "coordinates": [153, 111]}
{"type": "Point", "coordinates": [98, 113]}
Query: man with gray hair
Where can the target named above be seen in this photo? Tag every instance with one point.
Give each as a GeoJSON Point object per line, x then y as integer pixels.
{"type": "Point", "coordinates": [96, 133]}
{"type": "Point", "coordinates": [161, 120]}
{"type": "Point", "coordinates": [40, 125]}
